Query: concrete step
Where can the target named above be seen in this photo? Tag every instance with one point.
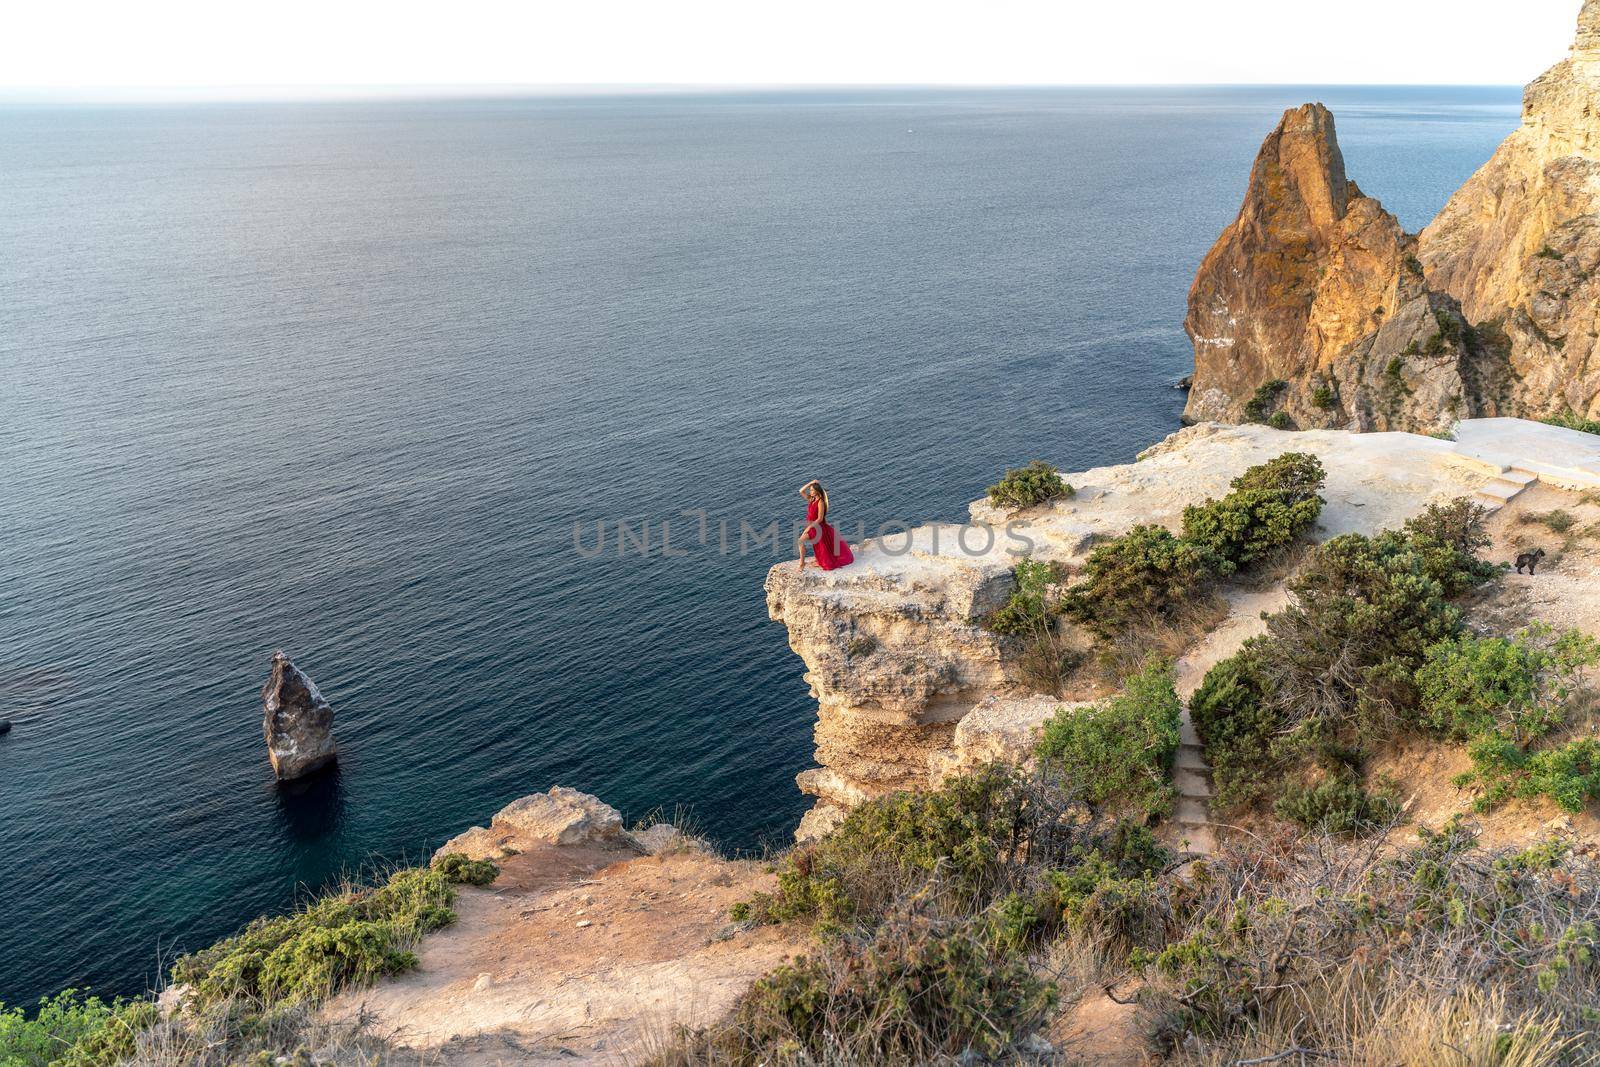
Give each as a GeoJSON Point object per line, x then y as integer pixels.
{"type": "Point", "coordinates": [1191, 812]}
{"type": "Point", "coordinates": [1201, 839]}
{"type": "Point", "coordinates": [1191, 757]}
{"type": "Point", "coordinates": [1501, 490]}
{"type": "Point", "coordinates": [1191, 783]}
{"type": "Point", "coordinates": [1518, 475]}
{"type": "Point", "coordinates": [1186, 733]}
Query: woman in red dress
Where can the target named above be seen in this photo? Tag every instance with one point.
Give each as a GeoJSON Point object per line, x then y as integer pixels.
{"type": "Point", "coordinates": [826, 545]}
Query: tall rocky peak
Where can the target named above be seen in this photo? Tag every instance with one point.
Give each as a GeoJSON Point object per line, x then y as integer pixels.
{"type": "Point", "coordinates": [1314, 286]}
{"type": "Point", "coordinates": [1315, 309]}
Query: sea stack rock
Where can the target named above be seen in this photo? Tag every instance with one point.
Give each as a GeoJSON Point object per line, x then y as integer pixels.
{"type": "Point", "coordinates": [1311, 309]}
{"type": "Point", "coordinates": [297, 722]}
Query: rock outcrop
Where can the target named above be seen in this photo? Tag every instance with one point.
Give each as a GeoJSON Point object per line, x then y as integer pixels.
{"type": "Point", "coordinates": [1317, 308]}
{"type": "Point", "coordinates": [560, 817]}
{"type": "Point", "coordinates": [1312, 306]}
{"type": "Point", "coordinates": [910, 687]}
{"type": "Point", "coordinates": [1519, 243]}
{"type": "Point", "coordinates": [297, 722]}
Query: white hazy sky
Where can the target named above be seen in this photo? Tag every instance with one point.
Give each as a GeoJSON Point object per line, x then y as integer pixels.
{"type": "Point", "coordinates": [308, 47]}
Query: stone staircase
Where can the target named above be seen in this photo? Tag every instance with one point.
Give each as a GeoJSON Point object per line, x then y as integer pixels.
{"type": "Point", "coordinates": [1191, 775]}
{"type": "Point", "coordinates": [1498, 491]}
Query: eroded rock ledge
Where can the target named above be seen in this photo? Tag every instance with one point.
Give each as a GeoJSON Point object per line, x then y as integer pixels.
{"type": "Point", "coordinates": [892, 646]}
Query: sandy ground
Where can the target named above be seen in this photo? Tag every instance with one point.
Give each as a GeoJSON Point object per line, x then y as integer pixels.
{"type": "Point", "coordinates": [577, 955]}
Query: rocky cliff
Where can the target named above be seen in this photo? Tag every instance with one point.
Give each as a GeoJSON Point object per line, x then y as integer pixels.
{"type": "Point", "coordinates": [911, 687]}
{"type": "Point", "coordinates": [1316, 309]}
{"type": "Point", "coordinates": [1518, 244]}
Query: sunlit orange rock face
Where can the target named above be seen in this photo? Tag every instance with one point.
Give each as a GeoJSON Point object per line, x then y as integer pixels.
{"type": "Point", "coordinates": [1316, 308]}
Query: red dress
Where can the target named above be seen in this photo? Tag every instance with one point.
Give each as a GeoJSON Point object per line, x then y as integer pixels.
{"type": "Point", "coordinates": [829, 548]}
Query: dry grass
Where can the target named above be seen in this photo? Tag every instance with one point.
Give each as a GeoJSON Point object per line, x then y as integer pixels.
{"type": "Point", "coordinates": [239, 1032]}
{"type": "Point", "coordinates": [1440, 954]}
{"type": "Point", "coordinates": [1167, 636]}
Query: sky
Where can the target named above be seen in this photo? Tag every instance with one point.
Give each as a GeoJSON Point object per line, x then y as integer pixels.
{"type": "Point", "coordinates": [244, 48]}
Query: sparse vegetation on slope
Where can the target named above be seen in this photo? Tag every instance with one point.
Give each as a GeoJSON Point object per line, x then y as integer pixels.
{"type": "Point", "coordinates": [252, 994]}
{"type": "Point", "coordinates": [348, 938]}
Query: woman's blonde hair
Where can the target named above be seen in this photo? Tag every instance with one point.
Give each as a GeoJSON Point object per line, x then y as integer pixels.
{"type": "Point", "coordinates": [823, 493]}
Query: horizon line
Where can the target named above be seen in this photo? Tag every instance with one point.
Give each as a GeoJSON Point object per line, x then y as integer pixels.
{"type": "Point", "coordinates": [338, 93]}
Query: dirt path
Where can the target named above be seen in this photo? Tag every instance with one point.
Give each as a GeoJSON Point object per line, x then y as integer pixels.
{"type": "Point", "coordinates": [577, 955]}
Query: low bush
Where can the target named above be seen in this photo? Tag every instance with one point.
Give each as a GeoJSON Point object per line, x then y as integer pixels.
{"type": "Point", "coordinates": [976, 832]}
{"type": "Point", "coordinates": [350, 937]}
{"type": "Point", "coordinates": [1239, 730]}
{"type": "Point", "coordinates": [1322, 397]}
{"type": "Point", "coordinates": [1557, 520]}
{"type": "Point", "coordinates": [1259, 407]}
{"type": "Point", "coordinates": [1118, 754]}
{"type": "Point", "coordinates": [1339, 661]}
{"type": "Point", "coordinates": [1031, 609]}
{"type": "Point", "coordinates": [1571, 420]}
{"type": "Point", "coordinates": [73, 1029]}
{"type": "Point", "coordinates": [1270, 506]}
{"type": "Point", "coordinates": [1143, 574]}
{"type": "Point", "coordinates": [1519, 686]}
{"type": "Point", "coordinates": [1048, 658]}
{"type": "Point", "coordinates": [1024, 487]}
{"type": "Point", "coordinates": [1339, 804]}
{"type": "Point", "coordinates": [1568, 774]}
{"type": "Point", "coordinates": [915, 989]}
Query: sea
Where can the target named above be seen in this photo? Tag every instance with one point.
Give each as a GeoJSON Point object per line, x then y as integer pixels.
{"type": "Point", "coordinates": [492, 415]}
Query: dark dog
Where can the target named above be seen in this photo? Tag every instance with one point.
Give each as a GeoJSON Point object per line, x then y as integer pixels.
{"type": "Point", "coordinates": [1529, 560]}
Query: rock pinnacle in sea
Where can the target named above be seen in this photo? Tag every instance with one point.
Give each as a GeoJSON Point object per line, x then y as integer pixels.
{"type": "Point", "coordinates": [297, 722]}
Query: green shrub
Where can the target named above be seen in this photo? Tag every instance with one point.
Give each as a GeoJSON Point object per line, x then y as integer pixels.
{"type": "Point", "coordinates": [1269, 507]}
{"type": "Point", "coordinates": [1118, 753]}
{"type": "Point", "coordinates": [913, 990]}
{"type": "Point", "coordinates": [1571, 420]}
{"type": "Point", "coordinates": [1549, 253]}
{"type": "Point", "coordinates": [1132, 579]}
{"type": "Point", "coordinates": [73, 1029]}
{"type": "Point", "coordinates": [1280, 420]}
{"type": "Point", "coordinates": [347, 938]}
{"type": "Point", "coordinates": [1339, 804]}
{"type": "Point", "coordinates": [970, 831]}
{"type": "Point", "coordinates": [1556, 521]}
{"type": "Point", "coordinates": [1118, 908]}
{"type": "Point", "coordinates": [1322, 396]}
{"type": "Point", "coordinates": [1519, 686]}
{"type": "Point", "coordinates": [1030, 610]}
{"type": "Point", "coordinates": [1460, 525]}
{"type": "Point", "coordinates": [459, 870]}
{"type": "Point", "coordinates": [1024, 487]}
{"type": "Point", "coordinates": [1340, 660]}
{"type": "Point", "coordinates": [1239, 730]}
{"type": "Point", "coordinates": [1568, 774]}
{"type": "Point", "coordinates": [1260, 406]}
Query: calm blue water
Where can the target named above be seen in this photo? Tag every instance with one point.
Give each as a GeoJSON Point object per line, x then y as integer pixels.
{"type": "Point", "coordinates": [340, 378]}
